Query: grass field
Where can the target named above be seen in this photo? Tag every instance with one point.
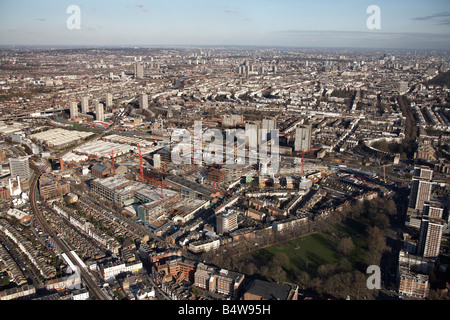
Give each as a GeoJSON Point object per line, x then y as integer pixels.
{"type": "Point", "coordinates": [309, 252]}
{"type": "Point", "coordinates": [355, 230]}
{"type": "Point", "coordinates": [304, 254]}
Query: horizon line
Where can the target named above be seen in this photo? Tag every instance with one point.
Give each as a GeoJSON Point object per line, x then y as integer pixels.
{"type": "Point", "coordinates": [200, 46]}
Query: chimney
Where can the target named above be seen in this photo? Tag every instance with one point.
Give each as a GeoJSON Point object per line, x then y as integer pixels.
{"type": "Point", "coordinates": [18, 183]}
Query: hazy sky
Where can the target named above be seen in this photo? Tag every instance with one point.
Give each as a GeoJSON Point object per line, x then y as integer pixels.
{"type": "Point", "coordinates": [410, 24]}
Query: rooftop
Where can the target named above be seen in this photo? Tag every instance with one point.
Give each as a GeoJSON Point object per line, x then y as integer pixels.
{"type": "Point", "coordinates": [268, 290]}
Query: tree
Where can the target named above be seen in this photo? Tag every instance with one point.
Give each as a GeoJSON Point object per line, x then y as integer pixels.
{"type": "Point", "coordinates": [346, 246]}
{"type": "Point", "coordinates": [359, 287]}
{"type": "Point", "coordinates": [376, 242]}
{"type": "Point", "coordinates": [304, 279]}
{"type": "Point", "coordinates": [344, 265]}
{"type": "Point", "coordinates": [277, 272]}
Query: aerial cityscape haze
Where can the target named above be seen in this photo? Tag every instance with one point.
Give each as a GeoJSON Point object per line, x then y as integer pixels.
{"type": "Point", "coordinates": [224, 151]}
{"type": "Point", "coordinates": [404, 24]}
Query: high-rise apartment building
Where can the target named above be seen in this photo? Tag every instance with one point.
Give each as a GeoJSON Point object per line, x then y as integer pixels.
{"type": "Point", "coordinates": [143, 101]}
{"type": "Point", "coordinates": [226, 222]}
{"type": "Point", "coordinates": [423, 172]}
{"type": "Point", "coordinates": [138, 70]}
{"type": "Point", "coordinates": [109, 100]}
{"type": "Point", "coordinates": [430, 237]}
{"type": "Point", "coordinates": [73, 109]}
{"type": "Point", "coordinates": [420, 187]}
{"type": "Point", "coordinates": [268, 124]}
{"type": "Point", "coordinates": [20, 167]}
{"type": "Point", "coordinates": [251, 135]}
{"type": "Point", "coordinates": [302, 140]}
{"type": "Point", "coordinates": [433, 210]}
{"type": "Point", "coordinates": [232, 120]}
{"type": "Point", "coordinates": [85, 104]}
{"type": "Point", "coordinates": [157, 161]}
{"type": "Point", "coordinates": [99, 112]}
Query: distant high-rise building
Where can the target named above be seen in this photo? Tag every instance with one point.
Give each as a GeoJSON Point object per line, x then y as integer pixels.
{"type": "Point", "coordinates": [99, 112]}
{"type": "Point", "coordinates": [157, 161]}
{"type": "Point", "coordinates": [302, 140]}
{"type": "Point", "coordinates": [143, 101]}
{"type": "Point", "coordinates": [268, 124]}
{"type": "Point", "coordinates": [73, 108]}
{"type": "Point", "coordinates": [423, 172]}
{"type": "Point", "coordinates": [403, 87]}
{"type": "Point", "coordinates": [20, 167]}
{"type": "Point", "coordinates": [139, 70]}
{"type": "Point", "coordinates": [431, 228]}
{"type": "Point", "coordinates": [232, 120]}
{"type": "Point", "coordinates": [252, 141]}
{"type": "Point", "coordinates": [420, 187]}
{"type": "Point", "coordinates": [85, 105]}
{"type": "Point", "coordinates": [433, 210]}
{"type": "Point", "coordinates": [430, 237]}
{"type": "Point", "coordinates": [226, 222]}
{"type": "Point", "coordinates": [109, 100]}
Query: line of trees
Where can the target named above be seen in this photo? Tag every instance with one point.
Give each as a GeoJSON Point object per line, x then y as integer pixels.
{"type": "Point", "coordinates": [408, 145]}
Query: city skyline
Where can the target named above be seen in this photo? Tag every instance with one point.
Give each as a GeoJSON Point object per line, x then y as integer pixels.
{"type": "Point", "coordinates": [326, 24]}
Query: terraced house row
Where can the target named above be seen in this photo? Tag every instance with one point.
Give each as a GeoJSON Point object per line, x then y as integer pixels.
{"type": "Point", "coordinates": [27, 248]}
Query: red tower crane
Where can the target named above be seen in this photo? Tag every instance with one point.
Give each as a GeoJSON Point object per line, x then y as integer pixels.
{"type": "Point", "coordinates": [112, 158]}
{"type": "Point", "coordinates": [303, 155]}
{"type": "Point", "coordinates": [141, 172]}
{"type": "Point", "coordinates": [141, 166]}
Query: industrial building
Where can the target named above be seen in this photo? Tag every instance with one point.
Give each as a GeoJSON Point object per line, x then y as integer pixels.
{"type": "Point", "coordinates": [104, 149]}
{"type": "Point", "coordinates": [59, 137]}
{"type": "Point", "coordinates": [127, 140]}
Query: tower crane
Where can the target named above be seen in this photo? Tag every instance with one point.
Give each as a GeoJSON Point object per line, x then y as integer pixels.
{"type": "Point", "coordinates": [303, 155]}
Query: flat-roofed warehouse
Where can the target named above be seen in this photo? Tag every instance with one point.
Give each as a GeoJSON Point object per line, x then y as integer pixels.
{"type": "Point", "coordinates": [127, 140]}
{"type": "Point", "coordinates": [60, 137]}
{"type": "Point", "coordinates": [104, 149]}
